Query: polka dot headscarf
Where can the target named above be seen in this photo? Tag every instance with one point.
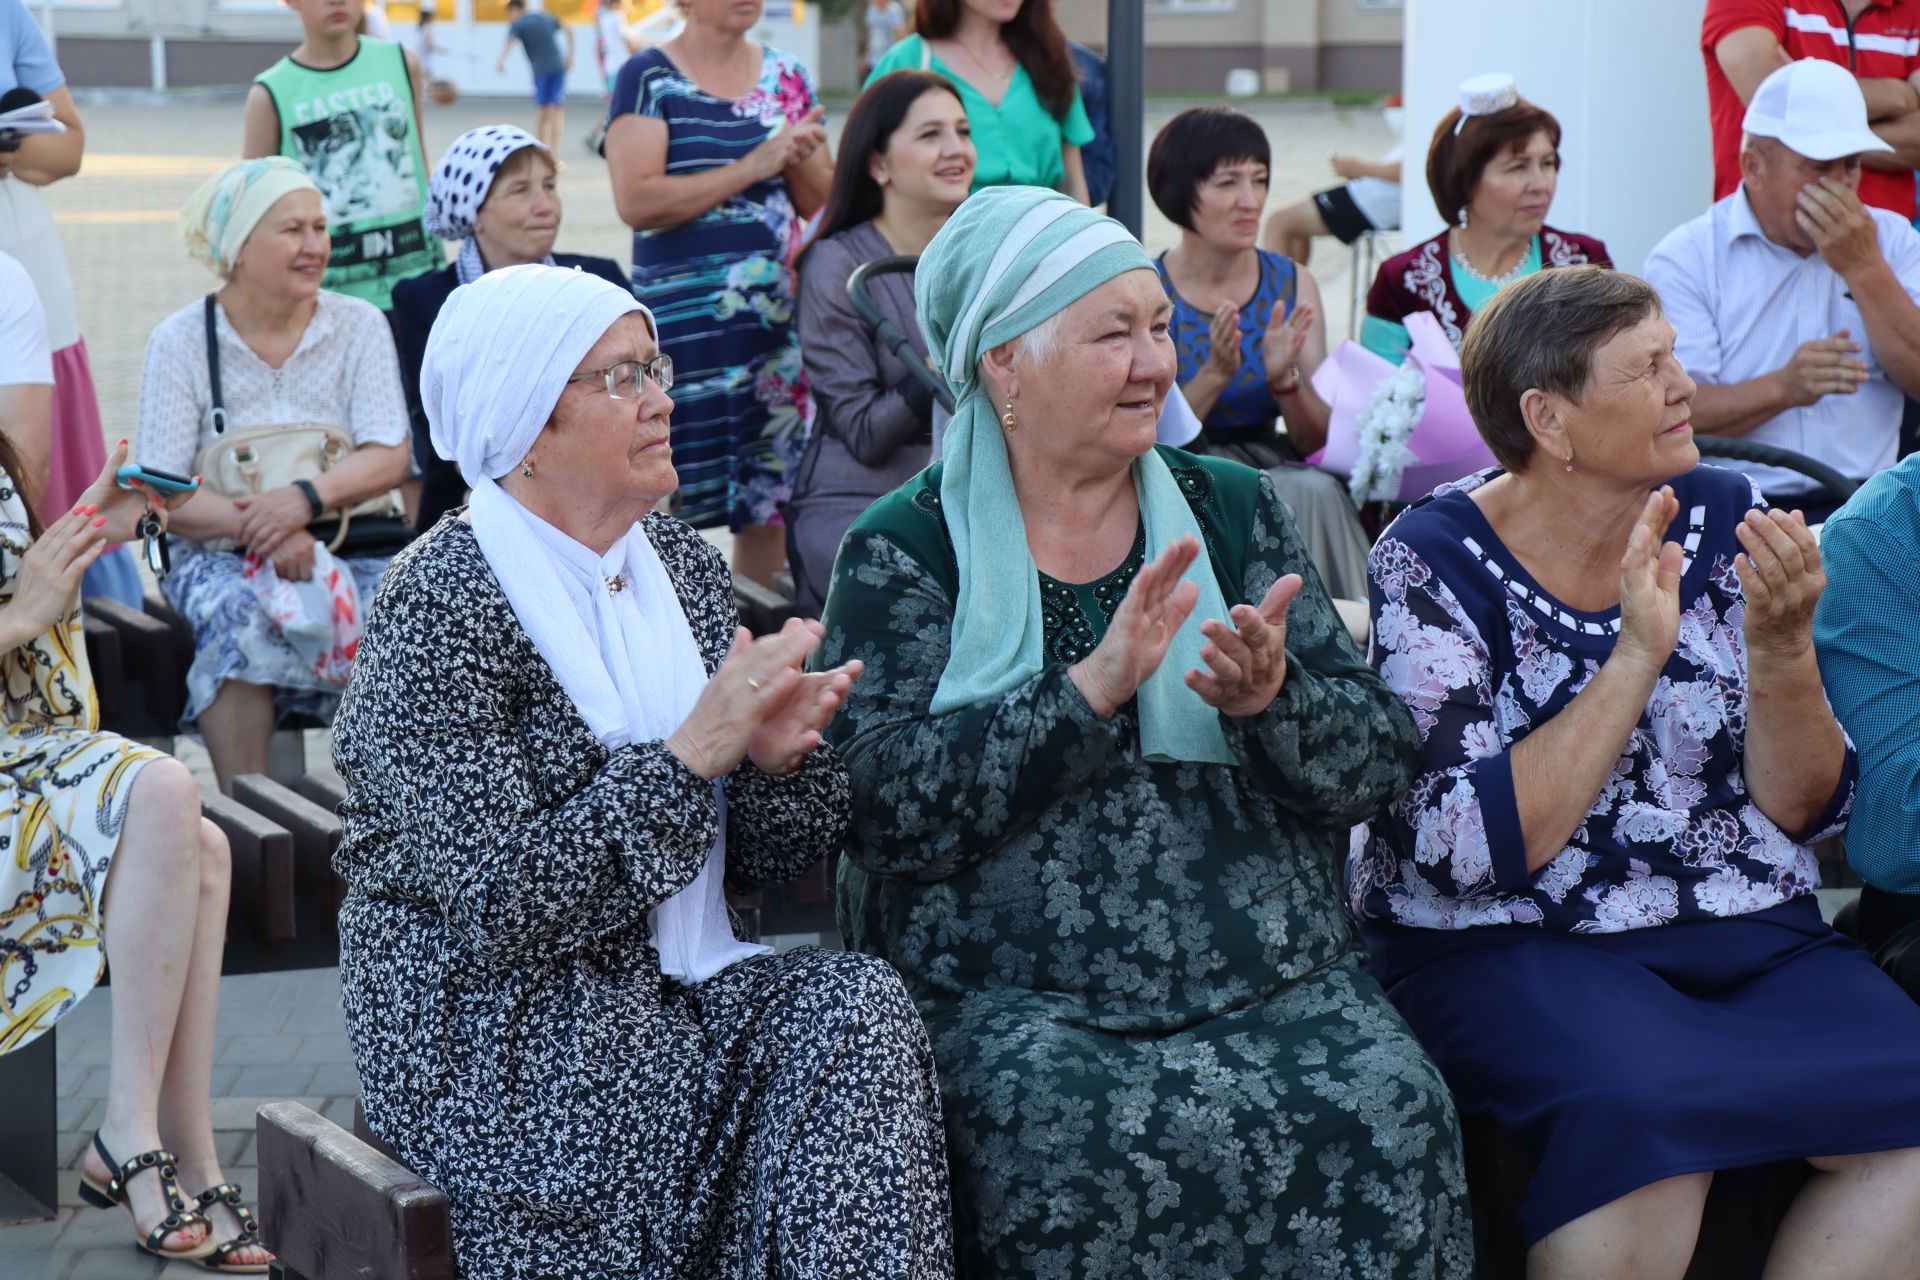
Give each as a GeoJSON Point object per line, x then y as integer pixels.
{"type": "Point", "coordinates": [465, 174]}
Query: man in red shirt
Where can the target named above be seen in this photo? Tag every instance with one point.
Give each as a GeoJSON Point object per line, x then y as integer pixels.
{"type": "Point", "coordinates": [1877, 40]}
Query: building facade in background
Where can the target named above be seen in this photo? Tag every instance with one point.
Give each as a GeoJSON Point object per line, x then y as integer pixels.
{"type": "Point", "coordinates": [1192, 45]}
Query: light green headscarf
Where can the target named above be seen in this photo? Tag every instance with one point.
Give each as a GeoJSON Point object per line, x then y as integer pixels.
{"type": "Point", "coordinates": [1009, 258]}
{"type": "Point", "coordinates": [222, 213]}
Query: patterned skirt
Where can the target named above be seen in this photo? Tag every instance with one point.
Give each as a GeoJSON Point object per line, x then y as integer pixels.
{"type": "Point", "coordinates": [740, 405]}
{"type": "Point", "coordinates": [63, 801]}
{"type": "Point", "coordinates": [234, 639]}
{"type": "Point", "coordinates": [1305, 1136]}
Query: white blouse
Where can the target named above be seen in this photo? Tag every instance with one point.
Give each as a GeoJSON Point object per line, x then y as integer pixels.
{"type": "Point", "coordinates": [343, 372]}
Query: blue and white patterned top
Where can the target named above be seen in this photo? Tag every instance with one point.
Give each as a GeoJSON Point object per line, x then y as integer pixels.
{"type": "Point", "coordinates": [1245, 406]}
{"type": "Point", "coordinates": [1483, 655]}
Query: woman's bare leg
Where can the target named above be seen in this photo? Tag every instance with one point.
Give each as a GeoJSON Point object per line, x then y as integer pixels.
{"type": "Point", "coordinates": [150, 911]}
{"type": "Point", "coordinates": [1290, 230]}
{"type": "Point", "coordinates": [1853, 1221]}
{"type": "Point", "coordinates": [760, 551]}
{"type": "Point", "coordinates": [238, 726]}
{"type": "Point", "coordinates": [1646, 1234]}
{"type": "Point", "coordinates": [186, 1105]}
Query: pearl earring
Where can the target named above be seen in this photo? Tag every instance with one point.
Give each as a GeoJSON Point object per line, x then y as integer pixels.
{"type": "Point", "coordinates": [1463, 217]}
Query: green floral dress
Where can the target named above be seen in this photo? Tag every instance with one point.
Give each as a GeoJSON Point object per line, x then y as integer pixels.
{"type": "Point", "coordinates": [1159, 1054]}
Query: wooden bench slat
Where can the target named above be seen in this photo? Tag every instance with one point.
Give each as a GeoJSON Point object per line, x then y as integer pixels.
{"type": "Point", "coordinates": [331, 1206]}
{"type": "Point", "coordinates": [315, 830]}
{"type": "Point", "coordinates": [263, 875]}
{"type": "Point", "coordinates": [106, 660]}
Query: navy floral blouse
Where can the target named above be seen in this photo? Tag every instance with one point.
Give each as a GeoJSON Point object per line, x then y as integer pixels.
{"type": "Point", "coordinates": [1483, 655]}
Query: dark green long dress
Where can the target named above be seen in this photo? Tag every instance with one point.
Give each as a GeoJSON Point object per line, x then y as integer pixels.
{"type": "Point", "coordinates": [1159, 1055]}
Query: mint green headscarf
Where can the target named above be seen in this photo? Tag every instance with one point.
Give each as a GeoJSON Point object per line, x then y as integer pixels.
{"type": "Point", "coordinates": [1009, 258]}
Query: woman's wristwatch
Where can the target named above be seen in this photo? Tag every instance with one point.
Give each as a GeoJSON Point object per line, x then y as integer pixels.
{"type": "Point", "coordinates": [1291, 385]}
{"type": "Point", "coordinates": [314, 504]}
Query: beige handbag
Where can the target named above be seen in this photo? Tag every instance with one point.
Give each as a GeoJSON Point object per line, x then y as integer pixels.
{"type": "Point", "coordinates": [241, 464]}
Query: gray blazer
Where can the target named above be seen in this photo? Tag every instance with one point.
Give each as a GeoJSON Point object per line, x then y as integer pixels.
{"type": "Point", "coordinates": [871, 416]}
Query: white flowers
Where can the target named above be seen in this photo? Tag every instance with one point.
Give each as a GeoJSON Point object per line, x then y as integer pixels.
{"type": "Point", "coordinates": [1386, 425]}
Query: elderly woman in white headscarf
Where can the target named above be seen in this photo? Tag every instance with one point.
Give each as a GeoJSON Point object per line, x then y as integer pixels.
{"type": "Point", "coordinates": [269, 349]}
{"type": "Point", "coordinates": [1109, 741]}
{"type": "Point", "coordinates": [495, 192]}
{"type": "Point", "coordinates": [559, 749]}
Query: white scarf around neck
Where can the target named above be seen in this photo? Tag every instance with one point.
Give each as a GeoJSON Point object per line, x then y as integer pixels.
{"type": "Point", "coordinates": [612, 629]}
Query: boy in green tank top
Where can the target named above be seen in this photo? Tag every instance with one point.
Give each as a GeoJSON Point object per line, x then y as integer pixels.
{"type": "Point", "coordinates": [347, 107]}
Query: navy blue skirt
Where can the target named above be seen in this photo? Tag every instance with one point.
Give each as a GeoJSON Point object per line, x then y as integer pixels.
{"type": "Point", "coordinates": [1620, 1059]}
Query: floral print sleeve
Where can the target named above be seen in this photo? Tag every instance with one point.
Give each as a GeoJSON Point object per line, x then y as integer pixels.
{"type": "Point", "coordinates": [1460, 809]}
{"type": "Point", "coordinates": [932, 795]}
{"type": "Point", "coordinates": [1336, 744]}
{"type": "Point", "coordinates": [1483, 655]}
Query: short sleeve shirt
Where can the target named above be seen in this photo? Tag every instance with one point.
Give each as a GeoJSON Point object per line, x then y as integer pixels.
{"type": "Point", "coordinates": [1017, 142]}
{"type": "Point", "coordinates": [538, 34]}
{"type": "Point", "coordinates": [29, 61]}
{"type": "Point", "coordinates": [1883, 42]}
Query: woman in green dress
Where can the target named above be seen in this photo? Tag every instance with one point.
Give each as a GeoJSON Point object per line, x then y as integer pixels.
{"type": "Point", "coordinates": [1102, 777]}
{"type": "Point", "coordinates": [1016, 78]}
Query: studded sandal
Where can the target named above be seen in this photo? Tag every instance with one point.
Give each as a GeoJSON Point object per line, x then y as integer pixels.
{"type": "Point", "coordinates": [222, 1259]}
{"type": "Point", "coordinates": [105, 1195]}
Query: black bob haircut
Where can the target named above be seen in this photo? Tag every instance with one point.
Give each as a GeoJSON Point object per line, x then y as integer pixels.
{"type": "Point", "coordinates": [1191, 147]}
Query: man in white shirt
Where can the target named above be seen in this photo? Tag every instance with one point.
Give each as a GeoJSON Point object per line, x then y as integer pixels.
{"type": "Point", "coordinates": [1797, 306]}
{"type": "Point", "coordinates": [26, 375]}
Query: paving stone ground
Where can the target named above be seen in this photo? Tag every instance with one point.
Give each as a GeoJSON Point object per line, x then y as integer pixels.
{"type": "Point", "coordinates": [280, 1035]}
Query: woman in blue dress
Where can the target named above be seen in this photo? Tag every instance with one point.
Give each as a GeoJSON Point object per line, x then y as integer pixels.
{"type": "Point", "coordinates": [717, 155]}
{"type": "Point", "coordinates": [1595, 903]}
{"type": "Point", "coordinates": [1248, 329]}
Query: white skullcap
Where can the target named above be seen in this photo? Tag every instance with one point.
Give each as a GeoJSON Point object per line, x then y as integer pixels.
{"type": "Point", "coordinates": [500, 354]}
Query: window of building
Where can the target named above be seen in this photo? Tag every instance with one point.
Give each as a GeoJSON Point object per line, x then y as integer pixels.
{"type": "Point", "coordinates": [1191, 6]}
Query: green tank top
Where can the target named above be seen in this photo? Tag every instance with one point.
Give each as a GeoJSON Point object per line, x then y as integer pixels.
{"type": "Point", "coordinates": [353, 128]}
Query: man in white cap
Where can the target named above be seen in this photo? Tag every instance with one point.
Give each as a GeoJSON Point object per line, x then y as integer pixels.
{"type": "Point", "coordinates": [1795, 304]}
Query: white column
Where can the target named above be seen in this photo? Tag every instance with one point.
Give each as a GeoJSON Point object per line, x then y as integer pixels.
{"type": "Point", "coordinates": [1624, 78]}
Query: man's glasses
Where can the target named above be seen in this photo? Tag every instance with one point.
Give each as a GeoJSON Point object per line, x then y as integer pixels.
{"type": "Point", "coordinates": [623, 380]}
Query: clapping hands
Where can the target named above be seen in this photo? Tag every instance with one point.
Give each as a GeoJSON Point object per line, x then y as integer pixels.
{"type": "Point", "coordinates": [1781, 577]}
{"type": "Point", "coordinates": [1650, 585]}
{"type": "Point", "coordinates": [1247, 661]}
{"type": "Point", "coordinates": [762, 705]}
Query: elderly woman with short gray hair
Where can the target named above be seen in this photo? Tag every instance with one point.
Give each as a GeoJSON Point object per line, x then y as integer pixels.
{"type": "Point", "coordinates": [1595, 903]}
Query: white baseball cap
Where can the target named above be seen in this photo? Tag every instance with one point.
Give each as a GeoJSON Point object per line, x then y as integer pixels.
{"type": "Point", "coordinates": [1814, 108]}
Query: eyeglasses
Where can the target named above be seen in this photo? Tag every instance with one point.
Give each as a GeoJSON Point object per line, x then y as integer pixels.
{"type": "Point", "coordinates": [624, 379]}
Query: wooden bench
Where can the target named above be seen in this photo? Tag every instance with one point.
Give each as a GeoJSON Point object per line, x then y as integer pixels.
{"type": "Point", "coordinates": [762, 609]}
{"type": "Point", "coordinates": [146, 679]}
{"type": "Point", "coordinates": [29, 1156]}
{"type": "Point", "coordinates": [261, 910]}
{"type": "Point", "coordinates": [332, 1207]}
{"type": "Point", "coordinates": [314, 829]}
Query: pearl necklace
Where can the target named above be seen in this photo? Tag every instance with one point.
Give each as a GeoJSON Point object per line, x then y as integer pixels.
{"type": "Point", "coordinates": [1460, 260]}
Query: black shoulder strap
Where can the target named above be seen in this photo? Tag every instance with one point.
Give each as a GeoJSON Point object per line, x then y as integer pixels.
{"type": "Point", "coordinates": [219, 413]}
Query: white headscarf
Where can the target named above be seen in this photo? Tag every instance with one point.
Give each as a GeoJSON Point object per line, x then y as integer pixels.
{"type": "Point", "coordinates": [610, 626]}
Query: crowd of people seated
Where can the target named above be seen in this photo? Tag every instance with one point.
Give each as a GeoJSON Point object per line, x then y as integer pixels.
{"type": "Point", "coordinates": [1182, 929]}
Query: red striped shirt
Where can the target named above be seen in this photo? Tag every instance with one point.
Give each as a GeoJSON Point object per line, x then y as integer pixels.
{"type": "Point", "coordinates": [1882, 43]}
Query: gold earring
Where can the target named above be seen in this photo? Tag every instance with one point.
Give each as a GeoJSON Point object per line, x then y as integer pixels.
{"type": "Point", "coordinates": [1569, 462]}
{"type": "Point", "coordinates": [1010, 421]}
{"type": "Point", "coordinates": [526, 468]}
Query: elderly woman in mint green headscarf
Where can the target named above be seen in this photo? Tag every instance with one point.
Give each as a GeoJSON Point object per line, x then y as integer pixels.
{"type": "Point", "coordinates": [1104, 756]}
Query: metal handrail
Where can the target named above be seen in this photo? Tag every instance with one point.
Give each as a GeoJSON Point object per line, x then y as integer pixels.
{"type": "Point", "coordinates": [889, 332]}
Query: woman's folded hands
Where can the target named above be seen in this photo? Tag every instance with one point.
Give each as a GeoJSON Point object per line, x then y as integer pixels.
{"type": "Point", "coordinates": [762, 705]}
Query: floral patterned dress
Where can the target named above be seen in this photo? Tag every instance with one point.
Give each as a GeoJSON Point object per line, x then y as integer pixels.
{"type": "Point", "coordinates": [1159, 1054]}
{"type": "Point", "coordinates": [1662, 997]}
{"type": "Point", "coordinates": [722, 291]}
{"type": "Point", "coordinates": [64, 787]}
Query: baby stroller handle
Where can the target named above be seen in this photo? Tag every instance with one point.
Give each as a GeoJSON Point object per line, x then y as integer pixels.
{"type": "Point", "coordinates": [888, 332]}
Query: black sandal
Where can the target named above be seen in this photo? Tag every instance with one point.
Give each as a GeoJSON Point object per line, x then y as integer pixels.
{"type": "Point", "coordinates": [229, 1194]}
{"type": "Point", "coordinates": [112, 1192]}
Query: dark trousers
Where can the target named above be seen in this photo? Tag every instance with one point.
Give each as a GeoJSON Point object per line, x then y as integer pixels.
{"type": "Point", "coordinates": [1888, 926]}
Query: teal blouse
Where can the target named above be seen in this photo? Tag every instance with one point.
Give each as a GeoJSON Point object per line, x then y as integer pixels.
{"type": "Point", "coordinates": [1017, 142]}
